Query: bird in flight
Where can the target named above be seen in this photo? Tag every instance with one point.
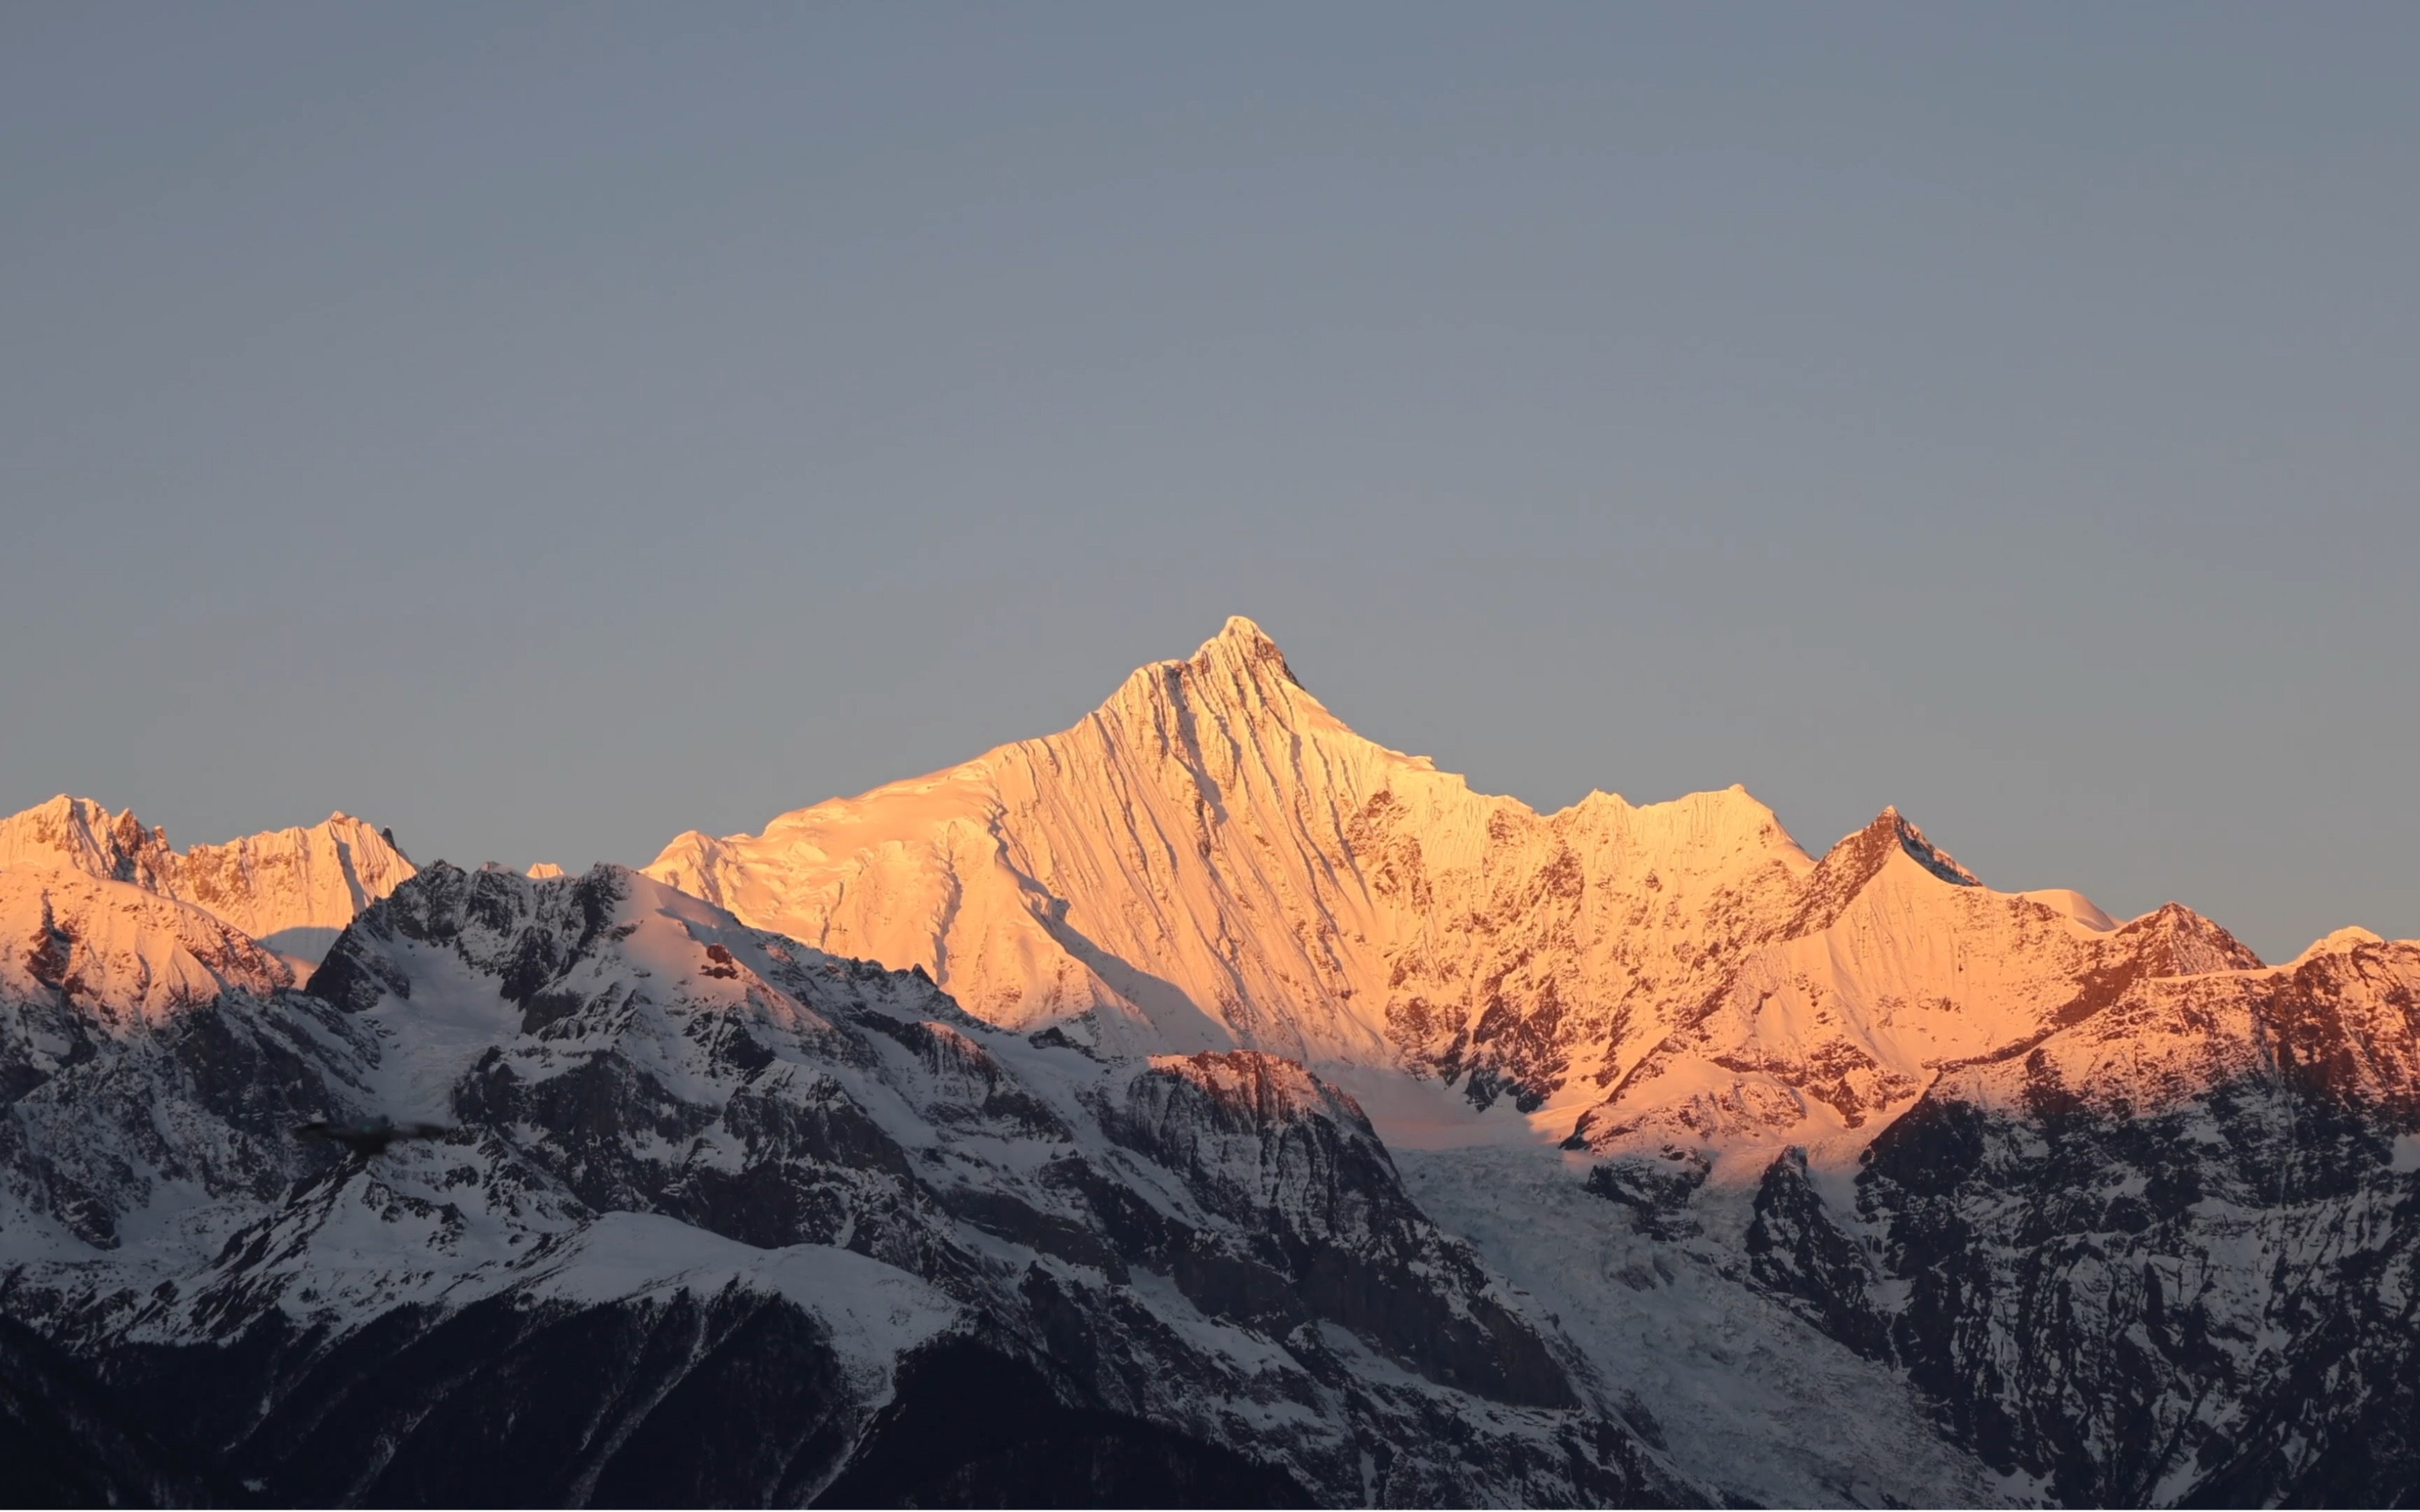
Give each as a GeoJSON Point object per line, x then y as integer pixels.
{"type": "Point", "coordinates": [369, 1136]}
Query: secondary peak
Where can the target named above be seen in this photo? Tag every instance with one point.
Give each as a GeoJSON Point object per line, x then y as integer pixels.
{"type": "Point", "coordinates": [1922, 850]}
{"type": "Point", "coordinates": [1860, 856]}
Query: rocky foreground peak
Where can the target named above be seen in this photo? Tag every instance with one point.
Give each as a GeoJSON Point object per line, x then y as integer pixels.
{"type": "Point", "coordinates": [771, 1222]}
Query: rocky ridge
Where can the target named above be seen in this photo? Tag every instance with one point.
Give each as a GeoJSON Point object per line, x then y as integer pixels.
{"type": "Point", "coordinates": [293, 889]}
{"type": "Point", "coordinates": [1213, 859]}
{"type": "Point", "coordinates": [1896, 965]}
{"type": "Point", "coordinates": [2164, 1257]}
{"type": "Point", "coordinates": [2057, 1207]}
{"type": "Point", "coordinates": [723, 1217]}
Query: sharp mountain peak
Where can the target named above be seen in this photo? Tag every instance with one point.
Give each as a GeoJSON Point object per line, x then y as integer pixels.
{"type": "Point", "coordinates": [1240, 672]}
{"type": "Point", "coordinates": [1944, 1126]}
{"type": "Point", "coordinates": [1898, 827]}
{"type": "Point", "coordinates": [311, 879]}
{"type": "Point", "coordinates": [1244, 644]}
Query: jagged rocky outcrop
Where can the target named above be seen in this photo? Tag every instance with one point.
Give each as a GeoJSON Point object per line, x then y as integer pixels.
{"type": "Point", "coordinates": [292, 889]}
{"type": "Point", "coordinates": [722, 1218]}
{"type": "Point", "coordinates": [2170, 1254]}
{"type": "Point", "coordinates": [152, 1060]}
{"type": "Point", "coordinates": [1893, 965]}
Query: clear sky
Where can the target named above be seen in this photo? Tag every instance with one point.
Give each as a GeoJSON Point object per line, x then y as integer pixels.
{"type": "Point", "coordinates": [546, 429]}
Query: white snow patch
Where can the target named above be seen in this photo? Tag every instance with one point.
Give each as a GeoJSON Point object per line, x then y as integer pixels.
{"type": "Point", "coordinates": [876, 1311]}
{"type": "Point", "coordinates": [1421, 1112]}
{"type": "Point", "coordinates": [1750, 1398]}
{"type": "Point", "coordinates": [2074, 905]}
{"type": "Point", "coordinates": [2335, 941]}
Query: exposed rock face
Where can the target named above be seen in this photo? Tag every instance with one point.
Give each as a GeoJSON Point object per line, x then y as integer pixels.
{"type": "Point", "coordinates": [723, 1218]}
{"type": "Point", "coordinates": [151, 1059]}
{"type": "Point", "coordinates": [1212, 859]}
{"type": "Point", "coordinates": [1875, 1184]}
{"type": "Point", "coordinates": [291, 888]}
{"type": "Point", "coordinates": [1893, 966]}
{"type": "Point", "coordinates": [1851, 1082]}
{"type": "Point", "coordinates": [2167, 1255]}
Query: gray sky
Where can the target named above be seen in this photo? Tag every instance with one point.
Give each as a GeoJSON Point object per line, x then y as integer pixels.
{"type": "Point", "coordinates": [548, 429]}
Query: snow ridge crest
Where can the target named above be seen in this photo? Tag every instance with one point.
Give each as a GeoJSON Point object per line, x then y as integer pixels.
{"type": "Point", "coordinates": [313, 880]}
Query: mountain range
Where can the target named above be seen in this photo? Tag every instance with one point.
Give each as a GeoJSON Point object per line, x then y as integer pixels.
{"type": "Point", "coordinates": [1202, 1104]}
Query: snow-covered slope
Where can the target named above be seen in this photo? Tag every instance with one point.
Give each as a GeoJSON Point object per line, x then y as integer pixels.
{"type": "Point", "coordinates": [720, 1217]}
{"type": "Point", "coordinates": [150, 1063]}
{"type": "Point", "coordinates": [2170, 1254]}
{"type": "Point", "coordinates": [291, 888]}
{"type": "Point", "coordinates": [1212, 858]}
{"type": "Point", "coordinates": [1896, 965]}
{"type": "Point", "coordinates": [1747, 1395]}
{"type": "Point", "coordinates": [1853, 1151]}
{"type": "Point", "coordinates": [131, 954]}
{"type": "Point", "coordinates": [1772, 1067]}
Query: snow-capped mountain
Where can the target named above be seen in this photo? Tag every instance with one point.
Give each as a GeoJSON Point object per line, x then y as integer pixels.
{"type": "Point", "coordinates": [1752, 1053]}
{"type": "Point", "coordinates": [1776, 1179]}
{"type": "Point", "coordinates": [715, 1216]}
{"type": "Point", "coordinates": [292, 889]}
{"type": "Point", "coordinates": [147, 1064]}
{"type": "Point", "coordinates": [1895, 965]}
{"type": "Point", "coordinates": [2169, 1254]}
{"type": "Point", "coordinates": [1212, 858]}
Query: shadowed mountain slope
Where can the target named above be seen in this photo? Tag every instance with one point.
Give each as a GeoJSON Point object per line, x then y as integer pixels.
{"type": "Point", "coordinates": [719, 1218]}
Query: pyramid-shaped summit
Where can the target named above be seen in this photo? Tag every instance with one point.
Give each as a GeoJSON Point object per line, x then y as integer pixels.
{"type": "Point", "coordinates": [1213, 858]}
{"type": "Point", "coordinates": [1238, 679]}
{"type": "Point", "coordinates": [1242, 649]}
